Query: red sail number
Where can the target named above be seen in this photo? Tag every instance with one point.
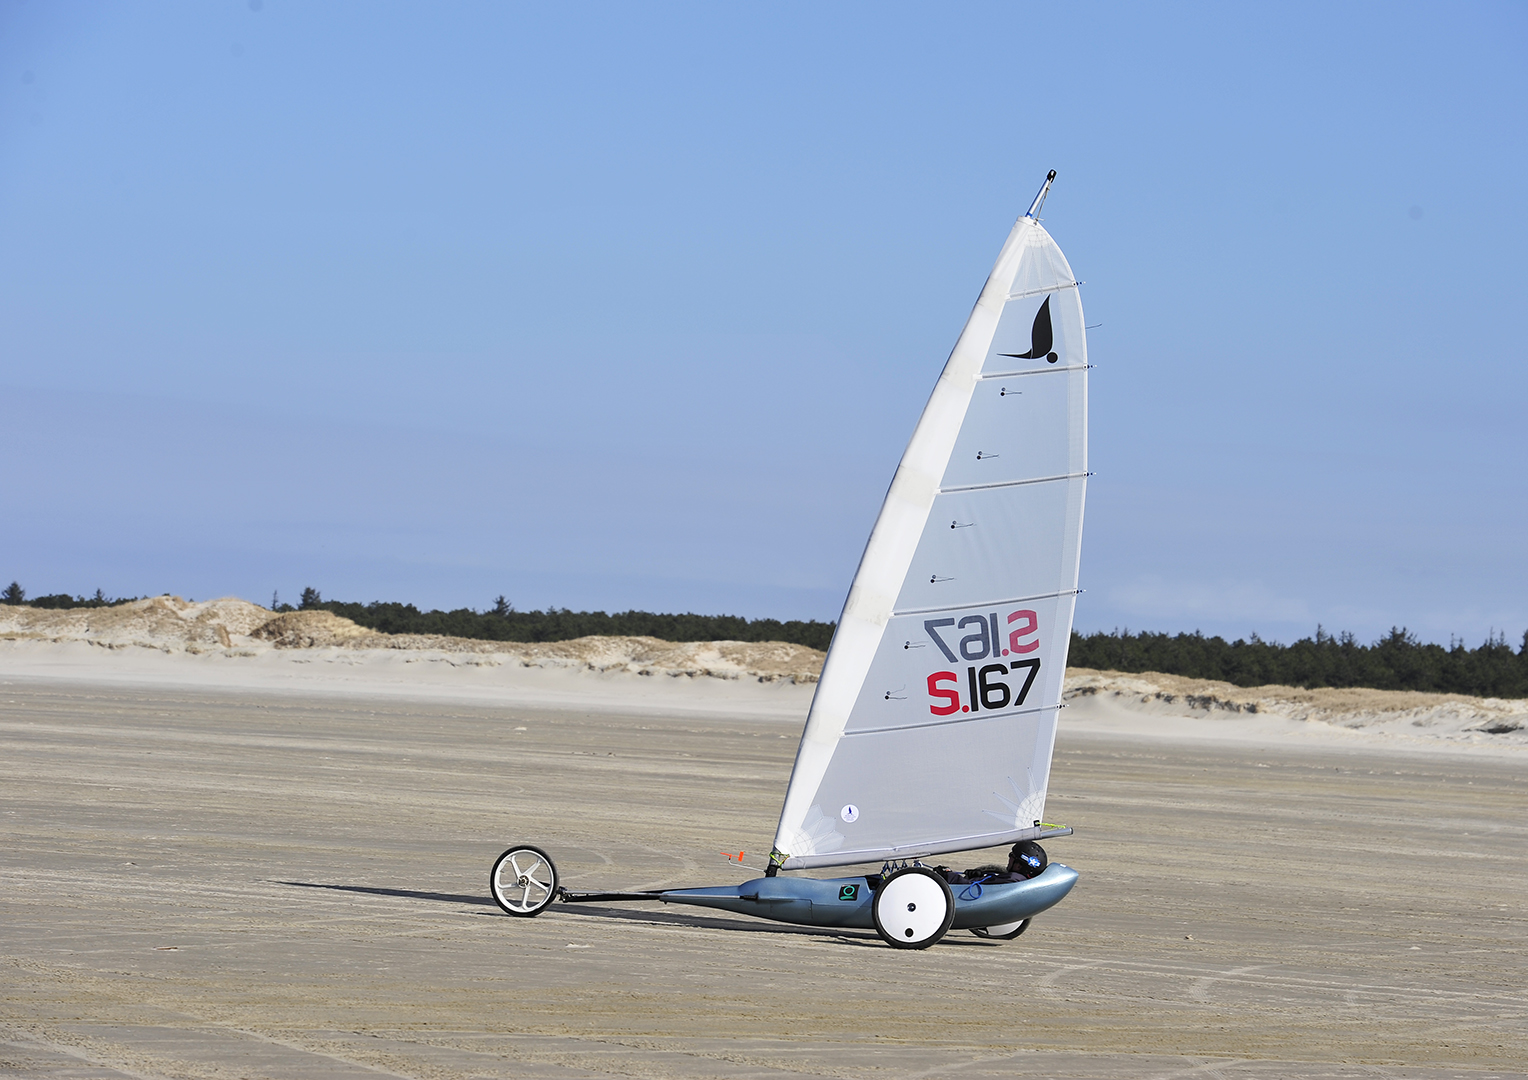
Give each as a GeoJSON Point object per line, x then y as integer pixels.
{"type": "Point", "coordinates": [1031, 625]}
{"type": "Point", "coordinates": [937, 691]}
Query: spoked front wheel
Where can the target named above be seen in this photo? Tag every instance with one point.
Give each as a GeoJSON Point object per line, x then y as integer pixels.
{"type": "Point", "coordinates": [523, 881]}
{"type": "Point", "coordinates": [1004, 932]}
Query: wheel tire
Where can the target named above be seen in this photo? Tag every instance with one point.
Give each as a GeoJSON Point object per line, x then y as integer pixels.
{"type": "Point", "coordinates": [523, 881]}
{"type": "Point", "coordinates": [1004, 932]}
{"type": "Point", "coordinates": [913, 908]}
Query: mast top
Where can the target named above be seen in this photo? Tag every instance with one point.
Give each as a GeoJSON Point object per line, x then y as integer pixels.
{"type": "Point", "coordinates": [1034, 207]}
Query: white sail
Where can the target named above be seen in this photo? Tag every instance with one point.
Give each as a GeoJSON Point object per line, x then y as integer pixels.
{"type": "Point", "coordinates": [932, 728]}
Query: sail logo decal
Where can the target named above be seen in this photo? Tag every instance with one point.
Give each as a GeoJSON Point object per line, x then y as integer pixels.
{"type": "Point", "coordinates": [987, 686]}
{"type": "Point", "coordinates": [848, 892]}
{"type": "Point", "coordinates": [1041, 338]}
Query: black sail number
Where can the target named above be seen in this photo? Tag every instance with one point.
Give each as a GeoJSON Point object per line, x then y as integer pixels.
{"type": "Point", "coordinates": [931, 626]}
{"type": "Point", "coordinates": [992, 694]}
{"type": "Point", "coordinates": [1029, 680]}
{"type": "Point", "coordinates": [975, 646]}
{"type": "Point", "coordinates": [988, 686]}
{"type": "Point", "coordinates": [983, 643]}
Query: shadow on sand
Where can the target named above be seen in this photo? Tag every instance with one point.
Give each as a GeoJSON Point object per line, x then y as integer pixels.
{"type": "Point", "coordinates": [409, 894]}
{"type": "Point", "coordinates": [844, 936]}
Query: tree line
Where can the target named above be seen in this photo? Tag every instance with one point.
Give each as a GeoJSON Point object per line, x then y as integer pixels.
{"type": "Point", "coordinates": [502, 622]}
{"type": "Point", "coordinates": [15, 594]}
{"type": "Point", "coordinates": [1397, 661]}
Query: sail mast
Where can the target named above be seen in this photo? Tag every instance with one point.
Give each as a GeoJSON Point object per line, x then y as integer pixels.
{"type": "Point", "coordinates": [1034, 207]}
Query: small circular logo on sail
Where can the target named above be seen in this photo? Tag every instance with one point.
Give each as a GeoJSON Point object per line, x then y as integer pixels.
{"type": "Point", "coordinates": [850, 813]}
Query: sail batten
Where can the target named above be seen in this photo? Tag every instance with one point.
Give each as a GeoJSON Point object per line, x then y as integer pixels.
{"type": "Point", "coordinates": [1041, 292]}
{"type": "Point", "coordinates": [999, 603]}
{"type": "Point", "coordinates": [933, 723]}
{"type": "Point", "coordinates": [1013, 483]}
{"type": "Point", "coordinates": [1020, 374]}
{"type": "Point", "coordinates": [948, 723]}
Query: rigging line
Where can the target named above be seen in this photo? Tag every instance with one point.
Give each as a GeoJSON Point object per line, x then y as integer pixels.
{"type": "Point", "coordinates": [1027, 293]}
{"type": "Point", "coordinates": [1032, 371]}
{"type": "Point", "coordinates": [1012, 483]}
{"type": "Point", "coordinates": [967, 894]}
{"type": "Point", "coordinates": [976, 719]}
{"type": "Point", "coordinates": [984, 603]}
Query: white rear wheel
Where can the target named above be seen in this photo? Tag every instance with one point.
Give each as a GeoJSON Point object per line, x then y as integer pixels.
{"type": "Point", "coordinates": [1002, 932]}
{"type": "Point", "coordinates": [523, 881]}
{"type": "Point", "coordinates": [913, 908]}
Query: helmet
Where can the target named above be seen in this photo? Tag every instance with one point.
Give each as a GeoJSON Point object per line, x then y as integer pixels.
{"type": "Point", "coordinates": [1027, 858]}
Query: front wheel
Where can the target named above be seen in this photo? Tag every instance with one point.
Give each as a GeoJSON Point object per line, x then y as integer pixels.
{"type": "Point", "coordinates": [913, 908]}
{"type": "Point", "coordinates": [523, 881]}
{"type": "Point", "coordinates": [1003, 932]}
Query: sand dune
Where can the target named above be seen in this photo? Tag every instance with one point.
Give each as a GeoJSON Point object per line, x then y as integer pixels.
{"type": "Point", "coordinates": [170, 624]}
{"type": "Point", "coordinates": [764, 661]}
{"type": "Point", "coordinates": [1404, 714]}
{"type": "Point", "coordinates": [229, 641]}
{"type": "Point", "coordinates": [160, 622]}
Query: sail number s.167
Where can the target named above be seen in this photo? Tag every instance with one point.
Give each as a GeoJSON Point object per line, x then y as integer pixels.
{"type": "Point", "coordinates": [987, 686]}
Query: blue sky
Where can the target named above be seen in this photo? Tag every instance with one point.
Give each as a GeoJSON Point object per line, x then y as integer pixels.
{"type": "Point", "coordinates": [635, 306]}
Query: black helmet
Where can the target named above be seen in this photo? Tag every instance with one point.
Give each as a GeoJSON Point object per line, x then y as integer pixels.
{"type": "Point", "coordinates": [1027, 858]}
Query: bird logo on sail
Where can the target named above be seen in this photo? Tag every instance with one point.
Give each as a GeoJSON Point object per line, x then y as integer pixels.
{"type": "Point", "coordinates": [1041, 338]}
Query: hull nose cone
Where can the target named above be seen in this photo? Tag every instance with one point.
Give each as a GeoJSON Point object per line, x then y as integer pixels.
{"type": "Point", "coordinates": [1059, 879]}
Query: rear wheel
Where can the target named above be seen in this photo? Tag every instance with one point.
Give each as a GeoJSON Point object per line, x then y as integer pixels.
{"type": "Point", "coordinates": [523, 881]}
{"type": "Point", "coordinates": [1004, 932]}
{"type": "Point", "coordinates": [913, 908]}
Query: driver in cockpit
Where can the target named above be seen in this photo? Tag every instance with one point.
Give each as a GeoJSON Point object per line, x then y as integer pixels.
{"type": "Point", "coordinates": [1025, 860]}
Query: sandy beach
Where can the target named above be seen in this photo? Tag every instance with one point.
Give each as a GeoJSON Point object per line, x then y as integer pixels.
{"type": "Point", "coordinates": [275, 864]}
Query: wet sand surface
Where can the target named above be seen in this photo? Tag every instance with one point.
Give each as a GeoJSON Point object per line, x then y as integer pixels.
{"type": "Point", "coordinates": [236, 884]}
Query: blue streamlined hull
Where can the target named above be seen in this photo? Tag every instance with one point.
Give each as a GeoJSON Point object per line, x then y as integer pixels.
{"type": "Point", "coordinates": [847, 901]}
